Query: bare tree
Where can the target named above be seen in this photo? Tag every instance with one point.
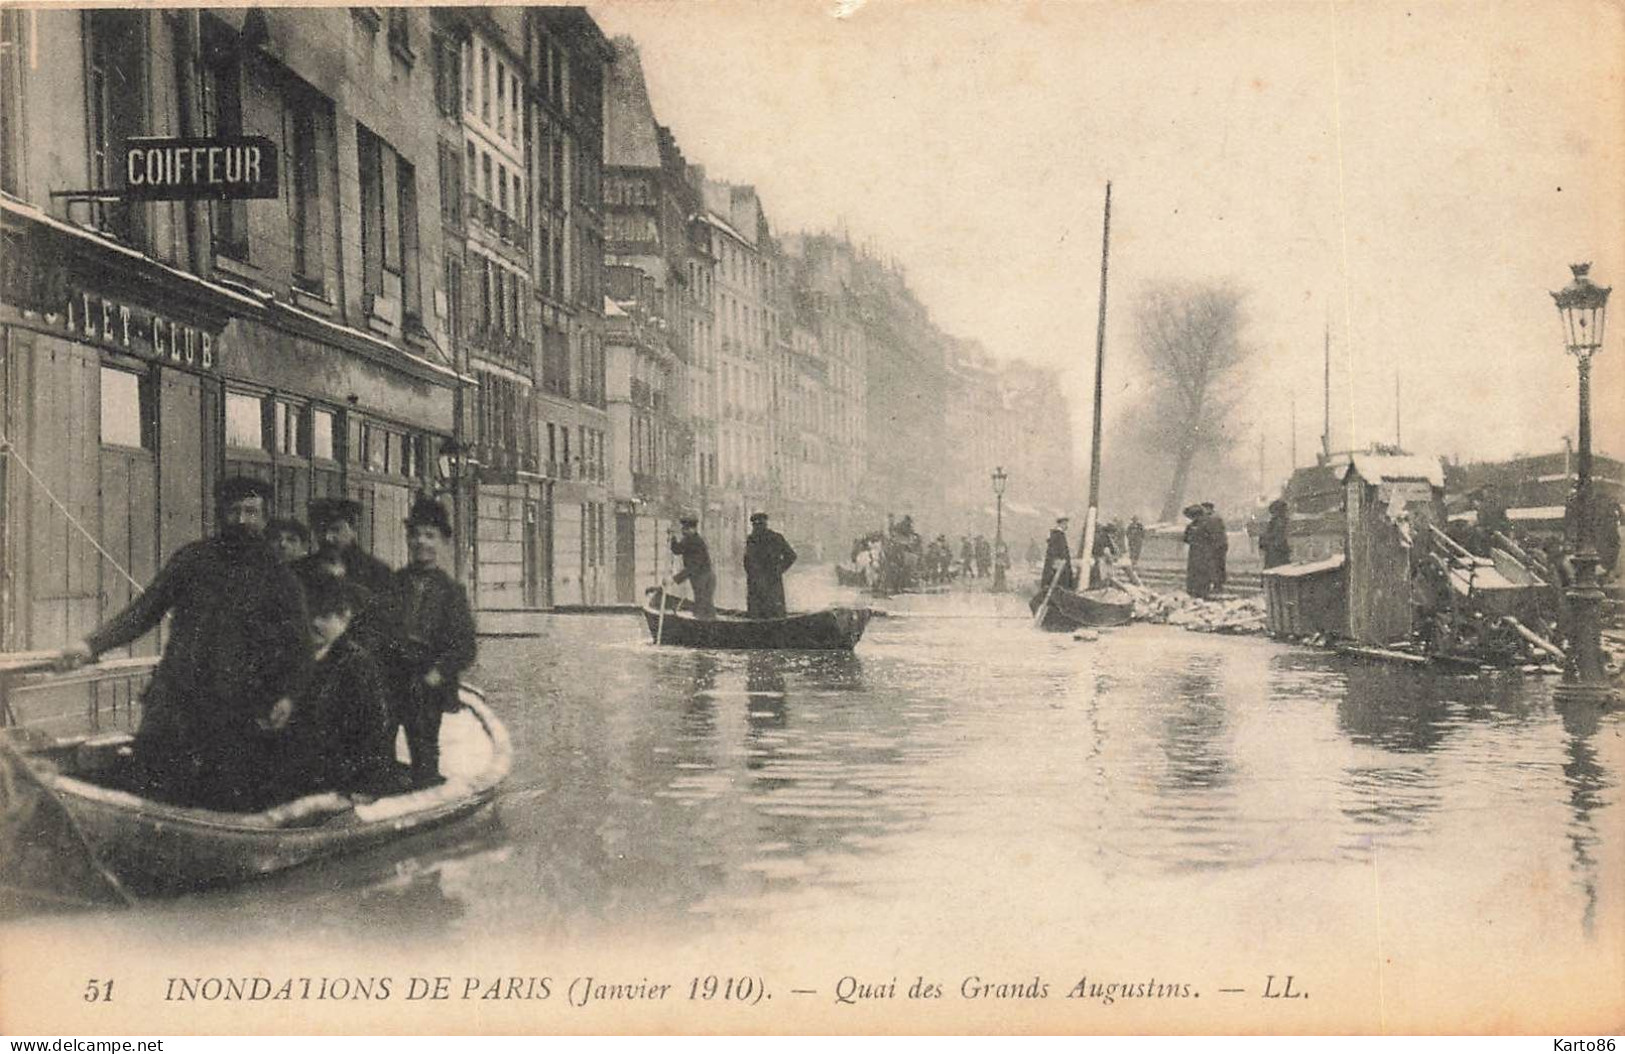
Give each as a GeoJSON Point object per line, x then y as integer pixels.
{"type": "Point", "coordinates": [1190, 341]}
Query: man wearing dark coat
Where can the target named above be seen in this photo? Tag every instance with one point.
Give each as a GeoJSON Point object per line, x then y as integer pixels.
{"type": "Point", "coordinates": [1218, 545]}
{"type": "Point", "coordinates": [334, 522]}
{"type": "Point", "coordinates": [767, 557]}
{"type": "Point", "coordinates": [428, 640]}
{"type": "Point", "coordinates": [1136, 539]}
{"type": "Point", "coordinates": [1057, 558]}
{"type": "Point", "coordinates": [696, 567]}
{"type": "Point", "coordinates": [1275, 543]}
{"type": "Point", "coordinates": [235, 654]}
{"type": "Point", "coordinates": [1198, 558]}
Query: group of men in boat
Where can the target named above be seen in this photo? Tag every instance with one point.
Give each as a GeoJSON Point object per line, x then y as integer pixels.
{"type": "Point", "coordinates": [287, 673]}
{"type": "Point", "coordinates": [767, 557]}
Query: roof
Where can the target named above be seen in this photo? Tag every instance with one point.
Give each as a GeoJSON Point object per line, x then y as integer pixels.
{"type": "Point", "coordinates": [612, 309]}
{"type": "Point", "coordinates": [1385, 468]}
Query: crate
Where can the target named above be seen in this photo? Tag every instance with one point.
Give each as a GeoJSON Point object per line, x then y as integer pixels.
{"type": "Point", "coordinates": [1306, 599]}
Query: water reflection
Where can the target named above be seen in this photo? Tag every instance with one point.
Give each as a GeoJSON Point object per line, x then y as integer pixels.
{"type": "Point", "coordinates": [1586, 780]}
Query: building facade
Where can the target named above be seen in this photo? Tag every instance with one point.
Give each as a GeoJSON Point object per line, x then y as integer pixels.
{"type": "Point", "coordinates": [151, 347]}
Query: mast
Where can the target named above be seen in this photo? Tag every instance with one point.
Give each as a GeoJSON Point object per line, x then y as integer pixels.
{"type": "Point", "coordinates": [1326, 388]}
{"type": "Point", "coordinates": [1398, 442]}
{"type": "Point", "coordinates": [1293, 440]}
{"type": "Point", "coordinates": [1087, 552]}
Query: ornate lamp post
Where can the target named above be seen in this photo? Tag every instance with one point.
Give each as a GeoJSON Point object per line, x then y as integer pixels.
{"type": "Point", "coordinates": [1000, 478]}
{"type": "Point", "coordinates": [1583, 307]}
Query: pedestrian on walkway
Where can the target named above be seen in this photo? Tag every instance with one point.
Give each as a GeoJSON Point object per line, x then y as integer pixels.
{"type": "Point", "coordinates": [1275, 543]}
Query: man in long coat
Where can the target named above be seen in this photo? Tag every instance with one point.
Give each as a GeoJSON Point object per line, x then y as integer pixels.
{"type": "Point", "coordinates": [767, 557]}
{"type": "Point", "coordinates": [236, 652]}
{"type": "Point", "coordinates": [427, 641]}
{"type": "Point", "coordinates": [1198, 561]}
{"type": "Point", "coordinates": [1218, 545]}
{"type": "Point", "coordinates": [1275, 543]}
{"type": "Point", "coordinates": [1136, 539]}
{"type": "Point", "coordinates": [1057, 558]}
{"type": "Point", "coordinates": [696, 567]}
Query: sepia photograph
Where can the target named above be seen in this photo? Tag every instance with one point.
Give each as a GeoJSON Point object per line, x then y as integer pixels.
{"type": "Point", "coordinates": [855, 517]}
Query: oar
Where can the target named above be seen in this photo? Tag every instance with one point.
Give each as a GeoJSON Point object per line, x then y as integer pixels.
{"type": "Point", "coordinates": [1043, 608]}
{"type": "Point", "coordinates": [660, 623]}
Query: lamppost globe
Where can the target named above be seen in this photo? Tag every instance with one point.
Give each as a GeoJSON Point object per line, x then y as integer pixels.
{"type": "Point", "coordinates": [1583, 307]}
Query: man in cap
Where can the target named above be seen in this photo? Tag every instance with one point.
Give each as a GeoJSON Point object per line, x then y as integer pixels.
{"type": "Point", "coordinates": [696, 566]}
{"type": "Point", "coordinates": [334, 522]}
{"type": "Point", "coordinates": [1057, 558]}
{"type": "Point", "coordinates": [767, 557]}
{"type": "Point", "coordinates": [236, 651]}
{"type": "Point", "coordinates": [426, 638]}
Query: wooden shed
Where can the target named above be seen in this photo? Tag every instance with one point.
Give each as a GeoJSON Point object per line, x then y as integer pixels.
{"type": "Point", "coordinates": [1388, 500]}
{"type": "Point", "coordinates": [1307, 599]}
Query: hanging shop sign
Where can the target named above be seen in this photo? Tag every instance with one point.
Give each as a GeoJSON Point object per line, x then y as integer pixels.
{"type": "Point", "coordinates": [160, 168]}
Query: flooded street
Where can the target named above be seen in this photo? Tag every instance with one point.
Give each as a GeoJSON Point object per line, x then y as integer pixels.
{"type": "Point", "coordinates": [964, 793]}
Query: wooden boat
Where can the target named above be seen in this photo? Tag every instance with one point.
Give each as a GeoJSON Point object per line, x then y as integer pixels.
{"type": "Point", "coordinates": [155, 847]}
{"type": "Point", "coordinates": [833, 629]}
{"type": "Point", "coordinates": [1090, 609]}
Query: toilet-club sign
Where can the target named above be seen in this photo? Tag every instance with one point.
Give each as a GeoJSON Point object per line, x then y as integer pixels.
{"type": "Point", "coordinates": [160, 168]}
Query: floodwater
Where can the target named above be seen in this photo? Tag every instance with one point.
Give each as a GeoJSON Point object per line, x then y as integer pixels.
{"type": "Point", "coordinates": [965, 794]}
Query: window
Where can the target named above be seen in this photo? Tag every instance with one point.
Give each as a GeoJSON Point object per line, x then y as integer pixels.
{"type": "Point", "coordinates": [129, 415]}
{"type": "Point", "coordinates": [305, 195]}
{"type": "Point", "coordinates": [245, 421]}
{"type": "Point", "coordinates": [502, 188]}
{"type": "Point", "coordinates": [485, 175]}
{"type": "Point", "coordinates": [448, 75]}
{"type": "Point", "coordinates": [411, 282]}
{"type": "Point", "coordinates": [454, 295]}
{"type": "Point", "coordinates": [484, 266]}
{"type": "Point", "coordinates": [116, 42]}
{"type": "Point", "coordinates": [513, 104]}
{"type": "Point", "coordinates": [518, 199]}
{"type": "Point", "coordinates": [289, 432]}
{"type": "Point", "coordinates": [502, 99]}
{"type": "Point", "coordinates": [400, 31]}
{"type": "Point", "coordinates": [465, 69]}
{"type": "Point", "coordinates": [13, 63]}
{"type": "Point", "coordinates": [223, 117]}
{"type": "Point", "coordinates": [369, 151]}
{"type": "Point", "coordinates": [451, 184]}
{"type": "Point", "coordinates": [374, 448]}
{"type": "Point", "coordinates": [485, 84]}
{"type": "Point", "coordinates": [321, 434]}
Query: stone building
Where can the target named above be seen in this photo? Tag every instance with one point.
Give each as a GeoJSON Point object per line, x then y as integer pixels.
{"type": "Point", "coordinates": [149, 347]}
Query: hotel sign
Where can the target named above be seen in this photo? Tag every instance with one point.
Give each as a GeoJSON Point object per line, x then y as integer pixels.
{"type": "Point", "coordinates": [160, 168]}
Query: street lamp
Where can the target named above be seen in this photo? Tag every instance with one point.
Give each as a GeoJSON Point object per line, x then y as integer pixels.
{"type": "Point", "coordinates": [1000, 478]}
{"type": "Point", "coordinates": [1583, 307]}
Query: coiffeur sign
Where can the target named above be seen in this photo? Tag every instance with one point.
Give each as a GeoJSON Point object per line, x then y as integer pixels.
{"type": "Point", "coordinates": [158, 168]}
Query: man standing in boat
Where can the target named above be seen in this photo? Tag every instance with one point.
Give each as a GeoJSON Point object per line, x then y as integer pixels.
{"type": "Point", "coordinates": [696, 567]}
{"type": "Point", "coordinates": [428, 642]}
{"type": "Point", "coordinates": [236, 652]}
{"type": "Point", "coordinates": [1057, 558]}
{"type": "Point", "coordinates": [767, 557]}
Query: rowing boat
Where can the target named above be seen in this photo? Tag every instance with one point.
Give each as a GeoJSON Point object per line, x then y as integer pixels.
{"type": "Point", "coordinates": [1090, 609]}
{"type": "Point", "coordinates": [833, 629]}
{"type": "Point", "coordinates": [155, 847]}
